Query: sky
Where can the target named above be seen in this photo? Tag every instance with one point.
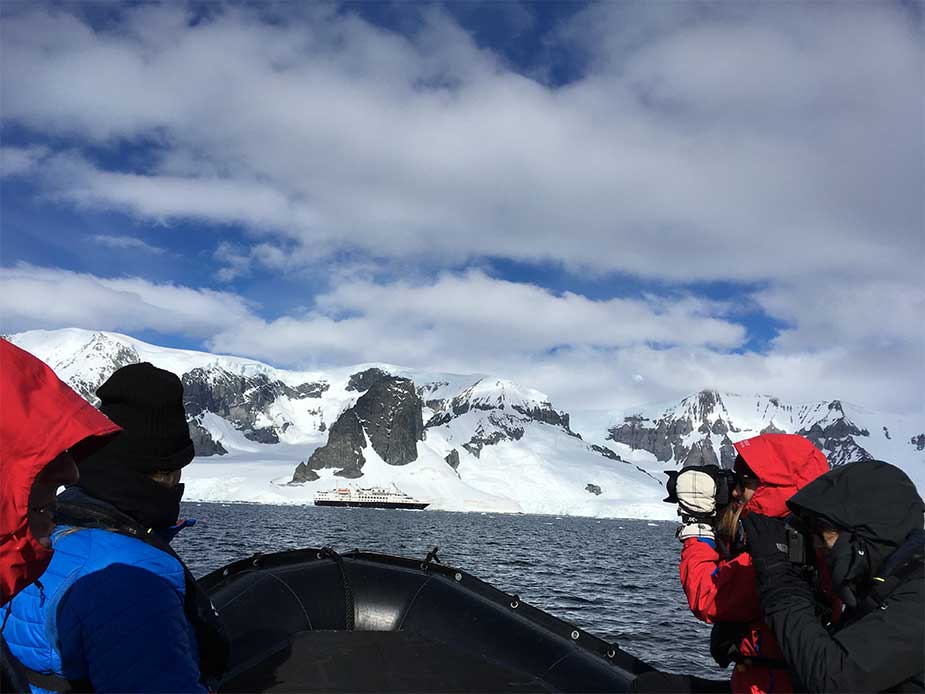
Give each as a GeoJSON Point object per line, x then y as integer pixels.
{"type": "Point", "coordinates": [617, 203]}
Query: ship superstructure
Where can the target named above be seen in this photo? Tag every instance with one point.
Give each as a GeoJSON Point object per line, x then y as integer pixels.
{"type": "Point", "coordinates": [372, 497]}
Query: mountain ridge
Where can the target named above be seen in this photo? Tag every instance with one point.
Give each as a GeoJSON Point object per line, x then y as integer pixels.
{"type": "Point", "coordinates": [482, 442]}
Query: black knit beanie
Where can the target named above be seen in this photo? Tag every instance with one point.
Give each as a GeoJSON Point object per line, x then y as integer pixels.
{"type": "Point", "coordinates": [147, 403]}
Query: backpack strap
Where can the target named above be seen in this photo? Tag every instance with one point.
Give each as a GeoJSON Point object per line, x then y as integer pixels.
{"type": "Point", "coordinates": [50, 682]}
{"type": "Point", "coordinates": [897, 569]}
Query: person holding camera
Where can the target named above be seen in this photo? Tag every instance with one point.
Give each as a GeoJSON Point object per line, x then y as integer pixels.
{"type": "Point", "coordinates": [717, 574]}
{"type": "Point", "coordinates": [867, 517]}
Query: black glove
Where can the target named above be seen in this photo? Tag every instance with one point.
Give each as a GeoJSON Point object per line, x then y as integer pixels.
{"type": "Point", "coordinates": [766, 541]}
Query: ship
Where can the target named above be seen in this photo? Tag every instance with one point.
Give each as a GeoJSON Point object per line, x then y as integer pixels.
{"type": "Point", "coordinates": [373, 497]}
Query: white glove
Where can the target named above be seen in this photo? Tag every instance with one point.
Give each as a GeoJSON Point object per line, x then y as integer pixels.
{"type": "Point", "coordinates": [685, 532]}
{"type": "Point", "coordinates": [696, 492]}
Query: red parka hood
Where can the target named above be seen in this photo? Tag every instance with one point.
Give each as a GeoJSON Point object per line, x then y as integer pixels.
{"type": "Point", "coordinates": [40, 417]}
{"type": "Point", "coordinates": [783, 463]}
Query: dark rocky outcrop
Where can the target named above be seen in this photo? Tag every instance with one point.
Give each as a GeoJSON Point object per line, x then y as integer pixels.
{"type": "Point", "coordinates": [344, 450]}
{"type": "Point", "coordinates": [700, 453]}
{"type": "Point", "coordinates": [452, 459]}
{"type": "Point", "coordinates": [704, 413]}
{"type": "Point", "coordinates": [203, 443]}
{"type": "Point", "coordinates": [727, 453]}
{"type": "Point", "coordinates": [836, 438]}
{"type": "Point", "coordinates": [606, 452]}
{"type": "Point", "coordinates": [241, 399]}
{"type": "Point", "coordinates": [593, 489]}
{"type": "Point", "coordinates": [503, 429]}
{"type": "Point", "coordinates": [545, 413]}
{"type": "Point", "coordinates": [918, 441]}
{"type": "Point", "coordinates": [388, 415]}
{"type": "Point", "coordinates": [390, 411]}
{"type": "Point", "coordinates": [662, 439]}
{"type": "Point", "coordinates": [303, 474]}
{"type": "Point", "coordinates": [364, 380]}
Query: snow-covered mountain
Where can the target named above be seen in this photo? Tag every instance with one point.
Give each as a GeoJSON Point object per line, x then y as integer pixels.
{"type": "Point", "coordinates": [462, 442]}
{"type": "Point", "coordinates": [702, 428]}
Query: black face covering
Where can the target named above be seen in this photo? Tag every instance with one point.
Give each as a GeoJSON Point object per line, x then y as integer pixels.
{"type": "Point", "coordinates": [135, 494]}
{"type": "Point", "coordinates": [850, 560]}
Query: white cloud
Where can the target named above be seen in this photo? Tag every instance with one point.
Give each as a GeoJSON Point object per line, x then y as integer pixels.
{"type": "Point", "coordinates": [776, 144]}
{"type": "Point", "coordinates": [19, 161]}
{"type": "Point", "coordinates": [735, 143]}
{"type": "Point", "coordinates": [858, 312]}
{"type": "Point", "coordinates": [36, 297]}
{"type": "Point", "coordinates": [584, 354]}
{"type": "Point", "coordinates": [469, 318]}
{"type": "Point", "coordinates": [129, 243]}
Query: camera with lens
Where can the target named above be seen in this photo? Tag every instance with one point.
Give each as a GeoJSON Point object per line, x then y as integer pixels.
{"type": "Point", "coordinates": [724, 481]}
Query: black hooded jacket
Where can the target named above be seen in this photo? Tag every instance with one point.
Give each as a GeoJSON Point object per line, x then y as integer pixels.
{"type": "Point", "coordinates": [879, 642]}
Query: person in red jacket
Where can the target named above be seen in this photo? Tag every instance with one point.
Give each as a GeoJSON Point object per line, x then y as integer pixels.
{"type": "Point", "coordinates": [717, 574]}
{"type": "Point", "coordinates": [45, 428]}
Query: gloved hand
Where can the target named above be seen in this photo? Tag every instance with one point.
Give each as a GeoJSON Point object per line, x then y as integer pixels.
{"type": "Point", "coordinates": [696, 492]}
{"type": "Point", "coordinates": [779, 580]}
{"type": "Point", "coordinates": [766, 541]}
{"type": "Point", "coordinates": [694, 529]}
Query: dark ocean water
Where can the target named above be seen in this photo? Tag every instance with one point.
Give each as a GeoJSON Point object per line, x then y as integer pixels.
{"type": "Point", "coordinates": [617, 579]}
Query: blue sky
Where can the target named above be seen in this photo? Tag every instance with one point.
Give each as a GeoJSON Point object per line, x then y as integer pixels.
{"type": "Point", "coordinates": [615, 203]}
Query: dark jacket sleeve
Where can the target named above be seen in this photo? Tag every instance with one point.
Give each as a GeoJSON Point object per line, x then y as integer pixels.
{"type": "Point", "coordinates": [131, 633]}
{"type": "Point", "coordinates": [880, 650]}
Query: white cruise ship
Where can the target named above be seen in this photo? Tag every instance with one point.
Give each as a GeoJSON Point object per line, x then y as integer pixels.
{"type": "Point", "coordinates": [373, 497]}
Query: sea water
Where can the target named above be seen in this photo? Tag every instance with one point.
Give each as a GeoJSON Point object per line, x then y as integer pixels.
{"type": "Point", "coordinates": [617, 579]}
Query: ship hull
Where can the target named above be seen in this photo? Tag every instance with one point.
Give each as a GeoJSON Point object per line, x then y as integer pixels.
{"type": "Point", "coordinates": [416, 505]}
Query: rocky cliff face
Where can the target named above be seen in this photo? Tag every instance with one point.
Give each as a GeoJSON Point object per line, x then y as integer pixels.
{"type": "Point", "coordinates": [242, 400]}
{"type": "Point", "coordinates": [388, 415]}
{"type": "Point", "coordinates": [495, 411]}
{"type": "Point", "coordinates": [701, 428]}
{"type": "Point", "coordinates": [235, 406]}
{"type": "Point", "coordinates": [837, 436]}
{"type": "Point", "coordinates": [686, 435]}
{"type": "Point", "coordinates": [86, 359]}
{"type": "Point", "coordinates": [203, 443]}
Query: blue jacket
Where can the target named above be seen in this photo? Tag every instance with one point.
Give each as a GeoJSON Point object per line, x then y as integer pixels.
{"type": "Point", "coordinates": [108, 609]}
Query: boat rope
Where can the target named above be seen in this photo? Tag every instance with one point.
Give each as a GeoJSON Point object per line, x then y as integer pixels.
{"type": "Point", "coordinates": [330, 553]}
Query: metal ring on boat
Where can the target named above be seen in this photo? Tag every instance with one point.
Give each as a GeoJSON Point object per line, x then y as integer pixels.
{"type": "Point", "coordinates": [575, 635]}
{"type": "Point", "coordinates": [611, 653]}
{"type": "Point", "coordinates": [515, 604]}
{"type": "Point", "coordinates": [458, 576]}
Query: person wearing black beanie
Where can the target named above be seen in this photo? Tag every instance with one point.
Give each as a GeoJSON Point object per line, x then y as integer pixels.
{"type": "Point", "coordinates": [138, 472]}
{"type": "Point", "coordinates": [120, 610]}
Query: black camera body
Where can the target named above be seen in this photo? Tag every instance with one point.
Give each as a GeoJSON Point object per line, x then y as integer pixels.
{"type": "Point", "coordinates": [724, 479]}
{"type": "Point", "coordinates": [799, 542]}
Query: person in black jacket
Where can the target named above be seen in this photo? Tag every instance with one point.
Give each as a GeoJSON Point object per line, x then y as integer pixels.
{"type": "Point", "coordinates": [868, 518]}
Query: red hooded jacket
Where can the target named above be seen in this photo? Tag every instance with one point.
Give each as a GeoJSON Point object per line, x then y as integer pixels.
{"type": "Point", "coordinates": [721, 590]}
{"type": "Point", "coordinates": [40, 417]}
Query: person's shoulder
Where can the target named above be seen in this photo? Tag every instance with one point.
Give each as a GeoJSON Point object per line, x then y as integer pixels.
{"type": "Point", "coordinates": [95, 549]}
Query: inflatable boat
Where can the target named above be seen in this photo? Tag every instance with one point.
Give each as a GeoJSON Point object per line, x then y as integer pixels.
{"type": "Point", "coordinates": [316, 620]}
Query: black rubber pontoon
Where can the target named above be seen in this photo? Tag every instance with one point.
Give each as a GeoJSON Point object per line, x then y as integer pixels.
{"type": "Point", "coordinates": [313, 620]}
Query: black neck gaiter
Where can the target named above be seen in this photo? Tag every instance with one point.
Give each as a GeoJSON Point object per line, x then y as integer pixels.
{"type": "Point", "coordinates": [135, 494]}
